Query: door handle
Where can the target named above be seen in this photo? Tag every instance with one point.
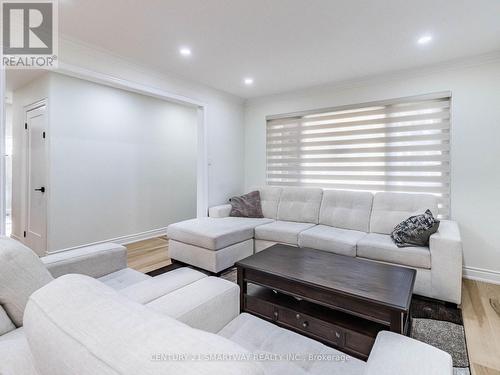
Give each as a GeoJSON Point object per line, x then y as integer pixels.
{"type": "Point", "coordinates": [42, 189]}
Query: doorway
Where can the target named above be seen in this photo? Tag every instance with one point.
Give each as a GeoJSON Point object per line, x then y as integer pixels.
{"type": "Point", "coordinates": [35, 151]}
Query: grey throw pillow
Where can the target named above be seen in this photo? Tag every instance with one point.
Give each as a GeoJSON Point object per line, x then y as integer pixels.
{"type": "Point", "coordinates": [416, 230]}
{"type": "Point", "coordinates": [247, 205]}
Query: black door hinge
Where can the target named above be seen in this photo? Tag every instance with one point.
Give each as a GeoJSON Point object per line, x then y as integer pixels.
{"type": "Point", "coordinates": [43, 135]}
{"type": "Point", "coordinates": [26, 126]}
{"type": "Point", "coordinates": [24, 234]}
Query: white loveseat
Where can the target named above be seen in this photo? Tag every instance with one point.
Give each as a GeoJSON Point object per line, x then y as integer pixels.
{"type": "Point", "coordinates": [78, 326]}
{"type": "Point", "coordinates": [356, 224]}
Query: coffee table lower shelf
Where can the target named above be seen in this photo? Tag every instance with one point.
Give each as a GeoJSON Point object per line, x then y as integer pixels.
{"type": "Point", "coordinates": [350, 334]}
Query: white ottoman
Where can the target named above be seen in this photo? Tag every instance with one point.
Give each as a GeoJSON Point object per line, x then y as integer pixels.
{"type": "Point", "coordinates": [213, 244]}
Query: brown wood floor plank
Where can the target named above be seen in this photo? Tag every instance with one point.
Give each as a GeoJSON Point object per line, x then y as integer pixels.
{"type": "Point", "coordinates": [148, 255]}
{"type": "Point", "coordinates": [482, 326]}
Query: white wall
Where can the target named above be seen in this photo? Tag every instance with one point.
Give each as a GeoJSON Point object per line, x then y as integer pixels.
{"type": "Point", "coordinates": [475, 143]}
{"type": "Point", "coordinates": [120, 163]}
{"type": "Point", "coordinates": [225, 128]}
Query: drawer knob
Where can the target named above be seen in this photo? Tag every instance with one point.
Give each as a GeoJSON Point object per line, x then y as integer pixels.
{"type": "Point", "coordinates": [297, 316]}
{"type": "Point", "coordinates": [305, 324]}
{"type": "Point", "coordinates": [276, 314]}
{"type": "Point", "coordinates": [337, 335]}
{"type": "Point", "coordinates": [275, 291]}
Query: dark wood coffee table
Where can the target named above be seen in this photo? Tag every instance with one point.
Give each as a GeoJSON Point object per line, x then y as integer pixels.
{"type": "Point", "coordinates": [339, 300]}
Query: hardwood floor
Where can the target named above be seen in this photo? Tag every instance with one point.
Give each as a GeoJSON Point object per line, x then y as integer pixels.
{"type": "Point", "coordinates": [481, 312]}
{"type": "Point", "coordinates": [148, 255]}
{"type": "Point", "coordinates": [480, 306]}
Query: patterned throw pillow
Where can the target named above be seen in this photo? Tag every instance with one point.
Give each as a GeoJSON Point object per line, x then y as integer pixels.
{"type": "Point", "coordinates": [416, 230]}
{"type": "Point", "coordinates": [247, 205]}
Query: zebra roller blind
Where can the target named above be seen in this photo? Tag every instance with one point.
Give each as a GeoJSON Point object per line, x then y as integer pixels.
{"type": "Point", "coordinates": [400, 145]}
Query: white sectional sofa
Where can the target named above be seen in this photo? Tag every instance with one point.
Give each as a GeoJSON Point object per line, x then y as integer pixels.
{"type": "Point", "coordinates": [96, 331]}
{"type": "Point", "coordinates": [348, 223]}
{"type": "Point", "coordinates": [182, 322]}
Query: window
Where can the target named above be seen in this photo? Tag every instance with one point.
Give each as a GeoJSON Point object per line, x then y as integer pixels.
{"type": "Point", "coordinates": [400, 145]}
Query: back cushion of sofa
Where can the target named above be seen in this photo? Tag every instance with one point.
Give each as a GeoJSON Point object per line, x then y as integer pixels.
{"type": "Point", "coordinates": [269, 200]}
{"type": "Point", "coordinates": [390, 209]}
{"type": "Point", "coordinates": [21, 273]}
{"type": "Point", "coordinates": [77, 325]}
{"type": "Point", "coordinates": [346, 209]}
{"type": "Point", "coordinates": [300, 205]}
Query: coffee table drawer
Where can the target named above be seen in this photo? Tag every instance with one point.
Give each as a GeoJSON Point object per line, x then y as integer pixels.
{"type": "Point", "coordinates": [260, 307]}
{"type": "Point", "coordinates": [296, 315]}
{"type": "Point", "coordinates": [312, 326]}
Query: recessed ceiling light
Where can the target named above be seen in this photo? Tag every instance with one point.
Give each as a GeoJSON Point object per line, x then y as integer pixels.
{"type": "Point", "coordinates": [424, 39]}
{"type": "Point", "coordinates": [185, 51]}
{"type": "Point", "coordinates": [248, 81]}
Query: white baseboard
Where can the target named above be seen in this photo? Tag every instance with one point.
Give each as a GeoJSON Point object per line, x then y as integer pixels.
{"type": "Point", "coordinates": [12, 235]}
{"type": "Point", "coordinates": [480, 274]}
{"type": "Point", "coordinates": [123, 240]}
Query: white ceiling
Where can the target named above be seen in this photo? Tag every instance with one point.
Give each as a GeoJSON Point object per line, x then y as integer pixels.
{"type": "Point", "coordinates": [283, 44]}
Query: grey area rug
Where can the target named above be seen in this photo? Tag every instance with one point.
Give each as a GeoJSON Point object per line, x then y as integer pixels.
{"type": "Point", "coordinates": [441, 326]}
{"type": "Point", "coordinates": [449, 337]}
{"type": "Point", "coordinates": [432, 322]}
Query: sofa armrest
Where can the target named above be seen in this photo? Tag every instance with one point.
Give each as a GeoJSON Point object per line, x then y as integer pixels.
{"type": "Point", "coordinates": [448, 231]}
{"type": "Point", "coordinates": [446, 259]}
{"type": "Point", "coordinates": [395, 354]}
{"type": "Point", "coordinates": [219, 211]}
{"type": "Point", "coordinates": [95, 261]}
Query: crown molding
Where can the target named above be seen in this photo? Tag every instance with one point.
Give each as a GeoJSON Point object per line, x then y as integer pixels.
{"type": "Point", "coordinates": [143, 68]}
{"type": "Point", "coordinates": [459, 63]}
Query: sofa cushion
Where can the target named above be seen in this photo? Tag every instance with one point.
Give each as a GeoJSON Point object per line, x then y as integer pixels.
{"type": "Point", "coordinates": [261, 337]}
{"type": "Point", "coordinates": [208, 304]}
{"type": "Point", "coordinates": [123, 278]}
{"type": "Point", "coordinates": [95, 261]}
{"type": "Point", "coordinates": [15, 354]}
{"type": "Point", "coordinates": [156, 287]}
{"type": "Point", "coordinates": [336, 240]}
{"type": "Point", "coordinates": [300, 205]}
{"type": "Point", "coordinates": [269, 200]}
{"type": "Point", "coordinates": [6, 324]}
{"type": "Point", "coordinates": [390, 209]}
{"type": "Point", "coordinates": [282, 231]}
{"type": "Point", "coordinates": [381, 247]}
{"type": "Point", "coordinates": [214, 233]}
{"type": "Point", "coordinates": [346, 209]}
{"type": "Point", "coordinates": [21, 273]}
{"type": "Point", "coordinates": [97, 331]}
{"type": "Point", "coordinates": [413, 357]}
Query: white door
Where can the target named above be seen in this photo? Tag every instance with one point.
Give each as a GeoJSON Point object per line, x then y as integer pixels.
{"type": "Point", "coordinates": [36, 204]}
